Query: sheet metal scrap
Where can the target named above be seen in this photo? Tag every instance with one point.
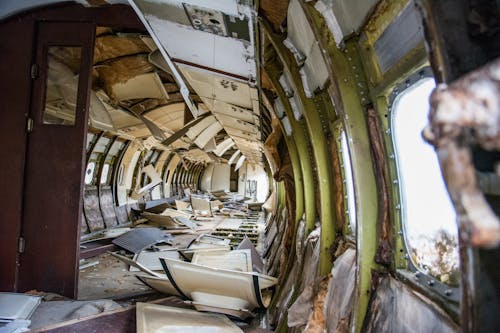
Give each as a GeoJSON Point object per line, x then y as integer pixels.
{"type": "Point", "coordinates": [465, 115]}
{"type": "Point", "coordinates": [138, 239]}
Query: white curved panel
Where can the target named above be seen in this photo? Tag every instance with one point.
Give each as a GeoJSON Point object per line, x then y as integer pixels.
{"type": "Point", "coordinates": [233, 157]}
{"type": "Point", "coordinates": [223, 147]}
{"type": "Point", "coordinates": [212, 130]}
{"type": "Point", "coordinates": [206, 178]}
{"type": "Point", "coordinates": [240, 162]}
{"type": "Point", "coordinates": [194, 131]}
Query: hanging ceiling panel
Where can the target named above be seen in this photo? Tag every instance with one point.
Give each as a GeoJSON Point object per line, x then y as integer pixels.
{"type": "Point", "coordinates": [216, 31]}
{"type": "Point", "coordinates": [234, 111]}
{"type": "Point", "coordinates": [220, 87]}
{"type": "Point", "coordinates": [169, 116]}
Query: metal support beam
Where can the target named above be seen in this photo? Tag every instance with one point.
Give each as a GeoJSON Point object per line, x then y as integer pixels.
{"type": "Point", "coordinates": [301, 139]}
{"type": "Point", "coordinates": [319, 146]}
{"type": "Point", "coordinates": [345, 72]}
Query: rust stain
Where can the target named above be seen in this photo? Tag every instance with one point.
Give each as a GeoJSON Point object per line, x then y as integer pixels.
{"type": "Point", "coordinates": [463, 116]}
{"type": "Point", "coordinates": [275, 11]}
{"type": "Point", "coordinates": [384, 251]}
{"type": "Point", "coordinates": [339, 195]}
{"type": "Point", "coordinates": [317, 320]}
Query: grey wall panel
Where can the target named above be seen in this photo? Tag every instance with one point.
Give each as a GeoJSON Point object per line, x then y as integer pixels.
{"type": "Point", "coordinates": [107, 207]}
{"type": "Point", "coordinates": [122, 214]}
{"type": "Point", "coordinates": [91, 209]}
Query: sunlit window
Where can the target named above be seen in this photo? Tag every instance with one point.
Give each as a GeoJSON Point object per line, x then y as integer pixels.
{"type": "Point", "coordinates": [105, 174]}
{"type": "Point", "coordinates": [348, 183]}
{"type": "Point", "coordinates": [428, 215]}
{"type": "Point", "coordinates": [120, 175]}
{"type": "Point", "coordinates": [89, 173]}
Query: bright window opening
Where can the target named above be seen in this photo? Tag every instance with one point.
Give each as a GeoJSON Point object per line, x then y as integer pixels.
{"type": "Point", "coordinates": [105, 174]}
{"type": "Point", "coordinates": [428, 215]}
{"type": "Point", "coordinates": [89, 173]}
{"type": "Point", "coordinates": [349, 184]}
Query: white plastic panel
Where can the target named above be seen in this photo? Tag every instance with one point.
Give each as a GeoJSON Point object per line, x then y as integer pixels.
{"type": "Point", "coordinates": [234, 111]}
{"type": "Point", "coordinates": [153, 318]}
{"type": "Point", "coordinates": [240, 162]}
{"type": "Point", "coordinates": [351, 14]}
{"type": "Point", "coordinates": [212, 130]}
{"type": "Point", "coordinates": [300, 34]}
{"type": "Point", "coordinates": [237, 260]}
{"type": "Point", "coordinates": [194, 131]}
{"type": "Point", "coordinates": [170, 116]}
{"type": "Point", "coordinates": [219, 87]}
{"type": "Point", "coordinates": [206, 178]}
{"type": "Point", "coordinates": [223, 147]}
{"type": "Point", "coordinates": [233, 157]}
{"type": "Point", "coordinates": [147, 85]}
{"type": "Point", "coordinates": [187, 44]}
{"type": "Point", "coordinates": [220, 177]}
{"type": "Point", "coordinates": [235, 123]}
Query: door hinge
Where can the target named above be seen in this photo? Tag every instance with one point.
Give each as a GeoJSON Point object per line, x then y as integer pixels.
{"type": "Point", "coordinates": [29, 125]}
{"type": "Point", "coordinates": [21, 244]}
{"type": "Point", "coordinates": [34, 71]}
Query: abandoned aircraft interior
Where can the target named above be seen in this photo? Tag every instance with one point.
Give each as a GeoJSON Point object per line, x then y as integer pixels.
{"type": "Point", "coordinates": [250, 166]}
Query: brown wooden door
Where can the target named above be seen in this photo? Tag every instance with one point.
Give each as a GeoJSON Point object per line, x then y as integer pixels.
{"type": "Point", "coordinates": [55, 158]}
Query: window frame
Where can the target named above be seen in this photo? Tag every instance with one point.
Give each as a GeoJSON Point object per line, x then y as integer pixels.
{"type": "Point", "coordinates": [348, 231]}
{"type": "Point", "coordinates": [409, 271]}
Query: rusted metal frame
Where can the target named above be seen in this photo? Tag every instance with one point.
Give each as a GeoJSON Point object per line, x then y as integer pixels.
{"type": "Point", "coordinates": [319, 147]}
{"type": "Point", "coordinates": [460, 37]}
{"type": "Point", "coordinates": [455, 49]}
{"type": "Point", "coordinates": [349, 100]}
{"type": "Point", "coordinates": [384, 253]}
{"type": "Point", "coordinates": [301, 140]}
{"type": "Point", "coordinates": [341, 201]}
{"type": "Point", "coordinates": [463, 117]}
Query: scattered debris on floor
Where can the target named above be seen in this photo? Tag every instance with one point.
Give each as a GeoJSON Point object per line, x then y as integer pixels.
{"type": "Point", "coordinates": [204, 251]}
{"type": "Point", "coordinates": [219, 269]}
{"type": "Point", "coordinates": [204, 254]}
{"type": "Point", "coordinates": [16, 311]}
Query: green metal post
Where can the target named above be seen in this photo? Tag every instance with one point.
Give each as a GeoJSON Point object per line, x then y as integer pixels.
{"type": "Point", "coordinates": [320, 151]}
{"type": "Point", "coordinates": [301, 141]}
